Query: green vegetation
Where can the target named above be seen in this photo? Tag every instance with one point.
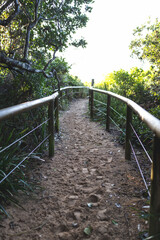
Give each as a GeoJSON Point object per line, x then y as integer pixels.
{"type": "Point", "coordinates": [141, 86]}
{"type": "Point", "coordinates": [146, 43]}
{"type": "Point", "coordinates": [31, 34]}
{"type": "Point", "coordinates": [137, 86]}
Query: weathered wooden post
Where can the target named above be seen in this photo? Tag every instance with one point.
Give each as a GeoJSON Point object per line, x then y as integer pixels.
{"type": "Point", "coordinates": [91, 103]}
{"type": "Point", "coordinates": [92, 83]}
{"type": "Point", "coordinates": [56, 108]}
{"type": "Point", "coordinates": [66, 91]}
{"type": "Point", "coordinates": [154, 221]}
{"type": "Point", "coordinates": [108, 112]}
{"type": "Point", "coordinates": [78, 93]}
{"type": "Point", "coordinates": [61, 99]}
{"type": "Point", "coordinates": [128, 133]}
{"type": "Point", "coordinates": [69, 95]}
{"type": "Point", "coordinates": [72, 94]}
{"type": "Point", "coordinates": [51, 127]}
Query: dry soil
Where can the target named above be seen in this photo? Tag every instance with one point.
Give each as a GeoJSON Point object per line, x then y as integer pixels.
{"type": "Point", "coordinates": [89, 190]}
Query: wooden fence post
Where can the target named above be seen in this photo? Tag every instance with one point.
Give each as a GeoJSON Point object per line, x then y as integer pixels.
{"type": "Point", "coordinates": [78, 93]}
{"type": "Point", "coordinates": [51, 128]}
{"type": "Point", "coordinates": [108, 112]}
{"type": "Point", "coordinates": [61, 99]}
{"type": "Point", "coordinates": [91, 99]}
{"type": "Point", "coordinates": [92, 83]}
{"type": "Point", "coordinates": [154, 222]}
{"type": "Point", "coordinates": [91, 103]}
{"type": "Point", "coordinates": [128, 133]}
{"type": "Point", "coordinates": [56, 108]}
{"type": "Point", "coordinates": [66, 94]}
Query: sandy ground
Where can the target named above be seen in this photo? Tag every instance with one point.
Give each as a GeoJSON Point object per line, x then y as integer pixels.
{"type": "Point", "coordinates": [89, 190]}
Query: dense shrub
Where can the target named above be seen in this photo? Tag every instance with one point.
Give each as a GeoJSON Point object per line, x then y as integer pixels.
{"type": "Point", "coordinates": [138, 85]}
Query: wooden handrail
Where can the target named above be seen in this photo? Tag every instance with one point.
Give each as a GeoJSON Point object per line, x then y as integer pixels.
{"type": "Point", "coordinates": [73, 87]}
{"type": "Point", "coordinates": [152, 122]}
{"type": "Point", "coordinates": [22, 107]}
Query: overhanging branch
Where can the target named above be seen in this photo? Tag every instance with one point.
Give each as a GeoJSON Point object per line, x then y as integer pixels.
{"type": "Point", "coordinates": [20, 66]}
{"type": "Point", "coordinates": [13, 15]}
{"type": "Point", "coordinates": [51, 60]}
{"type": "Point", "coordinates": [5, 5]}
{"type": "Point", "coordinates": [29, 28]}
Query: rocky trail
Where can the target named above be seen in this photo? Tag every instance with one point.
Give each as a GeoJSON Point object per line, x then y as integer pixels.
{"type": "Point", "coordinates": [89, 190]}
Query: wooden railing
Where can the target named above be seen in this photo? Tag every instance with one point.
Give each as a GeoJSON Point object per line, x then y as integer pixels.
{"type": "Point", "coordinates": [53, 105]}
{"type": "Point", "coordinates": [152, 123]}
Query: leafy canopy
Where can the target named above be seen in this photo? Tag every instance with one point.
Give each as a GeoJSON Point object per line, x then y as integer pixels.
{"type": "Point", "coordinates": [31, 32]}
{"type": "Point", "coordinates": [146, 43]}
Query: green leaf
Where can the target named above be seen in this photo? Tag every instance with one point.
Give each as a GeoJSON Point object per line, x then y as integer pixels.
{"type": "Point", "coordinates": [114, 222]}
{"type": "Point", "coordinates": [88, 230]}
{"type": "Point", "coordinates": [4, 211]}
{"type": "Point", "coordinates": [26, 184]}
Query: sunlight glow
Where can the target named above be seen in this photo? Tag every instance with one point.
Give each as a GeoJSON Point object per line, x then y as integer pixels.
{"type": "Point", "coordinates": [109, 33]}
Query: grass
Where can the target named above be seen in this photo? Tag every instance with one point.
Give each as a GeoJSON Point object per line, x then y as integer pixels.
{"type": "Point", "coordinates": [17, 182]}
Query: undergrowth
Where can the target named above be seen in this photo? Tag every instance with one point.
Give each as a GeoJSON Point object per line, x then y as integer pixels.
{"type": "Point", "coordinates": [19, 181]}
{"type": "Point", "coordinates": [15, 183]}
{"type": "Point", "coordinates": [14, 179]}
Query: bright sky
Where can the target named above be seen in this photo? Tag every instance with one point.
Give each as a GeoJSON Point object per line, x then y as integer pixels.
{"type": "Point", "coordinates": [109, 33]}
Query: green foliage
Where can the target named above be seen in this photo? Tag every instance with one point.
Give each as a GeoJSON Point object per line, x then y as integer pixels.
{"type": "Point", "coordinates": [49, 26]}
{"type": "Point", "coordinates": [32, 38]}
{"type": "Point", "coordinates": [73, 81]}
{"type": "Point", "coordinates": [15, 128]}
{"type": "Point", "coordinates": [32, 86]}
{"type": "Point", "coordinates": [17, 181]}
{"type": "Point", "coordinates": [146, 45]}
{"type": "Point", "coordinates": [138, 86]}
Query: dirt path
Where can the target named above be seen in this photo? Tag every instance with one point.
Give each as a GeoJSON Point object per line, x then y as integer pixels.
{"type": "Point", "coordinates": [87, 185]}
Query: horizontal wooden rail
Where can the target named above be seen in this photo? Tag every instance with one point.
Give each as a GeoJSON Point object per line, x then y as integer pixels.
{"type": "Point", "coordinates": [74, 87]}
{"type": "Point", "coordinates": [52, 102]}
{"type": "Point", "coordinates": [11, 111]}
{"type": "Point", "coordinates": [152, 122]}
{"type": "Point", "coordinates": [22, 107]}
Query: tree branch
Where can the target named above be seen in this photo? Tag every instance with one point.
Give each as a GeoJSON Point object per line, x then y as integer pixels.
{"type": "Point", "coordinates": [57, 78]}
{"type": "Point", "coordinates": [20, 66]}
{"type": "Point", "coordinates": [29, 28]}
{"type": "Point", "coordinates": [51, 60]}
{"type": "Point", "coordinates": [16, 64]}
{"type": "Point", "coordinates": [13, 15]}
{"type": "Point", "coordinates": [25, 10]}
{"type": "Point", "coordinates": [5, 5]}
